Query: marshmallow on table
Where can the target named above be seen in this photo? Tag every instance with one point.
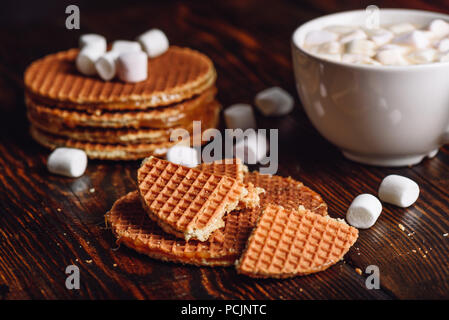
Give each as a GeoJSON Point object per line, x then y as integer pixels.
{"type": "Point", "coordinates": [317, 37]}
{"type": "Point", "coordinates": [106, 65]}
{"type": "Point", "coordinates": [361, 46]}
{"type": "Point", "coordinates": [121, 46]}
{"type": "Point", "coordinates": [252, 148]}
{"type": "Point", "coordinates": [274, 102]}
{"type": "Point", "coordinates": [398, 190]}
{"type": "Point", "coordinates": [68, 162]}
{"type": "Point", "coordinates": [239, 116]}
{"type": "Point", "coordinates": [183, 155]}
{"type": "Point", "coordinates": [85, 61]}
{"type": "Point", "coordinates": [416, 38]}
{"type": "Point", "coordinates": [132, 66]}
{"type": "Point", "coordinates": [401, 28]}
{"type": "Point", "coordinates": [364, 211]}
{"type": "Point", "coordinates": [94, 41]}
{"type": "Point", "coordinates": [154, 42]}
{"type": "Point", "coordinates": [354, 35]}
{"type": "Point", "coordinates": [439, 27]}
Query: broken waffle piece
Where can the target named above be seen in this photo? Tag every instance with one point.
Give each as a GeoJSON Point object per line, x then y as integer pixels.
{"type": "Point", "coordinates": [287, 243]}
{"type": "Point", "coordinates": [233, 168]}
{"type": "Point", "coordinates": [186, 202]}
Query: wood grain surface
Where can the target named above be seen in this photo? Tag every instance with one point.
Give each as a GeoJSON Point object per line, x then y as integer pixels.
{"type": "Point", "coordinates": [48, 222]}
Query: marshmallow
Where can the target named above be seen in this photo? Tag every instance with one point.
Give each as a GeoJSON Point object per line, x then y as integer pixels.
{"type": "Point", "coordinates": [67, 162]}
{"type": "Point", "coordinates": [391, 57]}
{"type": "Point", "coordinates": [444, 57]}
{"type": "Point", "coordinates": [122, 46]}
{"type": "Point", "coordinates": [274, 102]}
{"type": "Point", "coordinates": [364, 211]}
{"type": "Point", "coordinates": [423, 56]}
{"type": "Point", "coordinates": [416, 38]}
{"type": "Point", "coordinates": [240, 116]}
{"type": "Point", "coordinates": [439, 28]}
{"type": "Point", "coordinates": [380, 36]}
{"type": "Point", "coordinates": [333, 57]}
{"type": "Point", "coordinates": [94, 41]}
{"type": "Point", "coordinates": [398, 190]}
{"type": "Point", "coordinates": [183, 155]}
{"type": "Point", "coordinates": [252, 148]}
{"type": "Point", "coordinates": [443, 45]}
{"type": "Point", "coordinates": [85, 61]}
{"type": "Point", "coordinates": [319, 37]}
{"type": "Point", "coordinates": [154, 42]}
{"type": "Point", "coordinates": [106, 65]}
{"type": "Point", "coordinates": [401, 28]}
{"type": "Point", "coordinates": [132, 66]}
{"type": "Point", "coordinates": [358, 58]}
{"type": "Point", "coordinates": [332, 47]}
{"type": "Point", "coordinates": [400, 48]}
{"type": "Point", "coordinates": [361, 46]}
{"type": "Point", "coordinates": [354, 35]}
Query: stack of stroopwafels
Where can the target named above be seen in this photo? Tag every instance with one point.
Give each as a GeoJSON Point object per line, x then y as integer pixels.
{"type": "Point", "coordinates": [117, 120]}
{"type": "Point", "coordinates": [199, 216]}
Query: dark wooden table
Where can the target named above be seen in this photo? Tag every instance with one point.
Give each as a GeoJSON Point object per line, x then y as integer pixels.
{"type": "Point", "coordinates": [48, 222]}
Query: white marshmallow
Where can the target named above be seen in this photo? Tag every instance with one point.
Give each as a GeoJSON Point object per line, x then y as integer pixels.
{"type": "Point", "coordinates": [358, 58]}
{"type": "Point", "coordinates": [416, 38]}
{"type": "Point", "coordinates": [444, 57]}
{"type": "Point", "coordinates": [362, 47]}
{"type": "Point", "coordinates": [399, 190]}
{"type": "Point", "coordinates": [332, 47]}
{"type": "Point", "coordinates": [401, 28]}
{"type": "Point", "coordinates": [354, 35]}
{"type": "Point", "coordinates": [183, 155]}
{"type": "Point", "coordinates": [423, 56]}
{"type": "Point", "coordinates": [443, 45]}
{"type": "Point", "coordinates": [240, 116]}
{"type": "Point", "coordinates": [380, 36]}
{"type": "Point", "coordinates": [400, 48]}
{"type": "Point", "coordinates": [85, 61]}
{"type": "Point", "coordinates": [154, 42]}
{"type": "Point", "coordinates": [317, 37]}
{"type": "Point", "coordinates": [364, 211]}
{"type": "Point", "coordinates": [274, 101]}
{"type": "Point", "coordinates": [132, 66]}
{"type": "Point", "coordinates": [439, 28]}
{"type": "Point", "coordinates": [67, 162]}
{"type": "Point", "coordinates": [122, 46]}
{"type": "Point", "coordinates": [106, 65]}
{"type": "Point", "coordinates": [333, 57]}
{"type": "Point", "coordinates": [252, 148]}
{"type": "Point", "coordinates": [94, 41]}
{"type": "Point", "coordinates": [391, 57]}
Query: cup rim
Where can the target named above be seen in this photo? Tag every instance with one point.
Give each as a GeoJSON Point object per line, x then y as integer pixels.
{"type": "Point", "coordinates": [383, 68]}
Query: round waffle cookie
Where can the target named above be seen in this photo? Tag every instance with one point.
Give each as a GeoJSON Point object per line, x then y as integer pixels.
{"type": "Point", "coordinates": [179, 114]}
{"type": "Point", "coordinates": [132, 226]}
{"type": "Point", "coordinates": [178, 74]}
{"type": "Point", "coordinates": [208, 118]}
{"type": "Point", "coordinates": [108, 151]}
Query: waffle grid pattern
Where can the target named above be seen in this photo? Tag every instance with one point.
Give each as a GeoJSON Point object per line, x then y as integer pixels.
{"type": "Point", "coordinates": [290, 242]}
{"type": "Point", "coordinates": [227, 167]}
{"type": "Point", "coordinates": [184, 200]}
{"type": "Point", "coordinates": [178, 74]}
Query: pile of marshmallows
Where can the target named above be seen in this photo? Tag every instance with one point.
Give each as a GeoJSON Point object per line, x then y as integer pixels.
{"type": "Point", "coordinates": [399, 44]}
{"type": "Point", "coordinates": [271, 102]}
{"type": "Point", "coordinates": [366, 208]}
{"type": "Point", "coordinates": [126, 59]}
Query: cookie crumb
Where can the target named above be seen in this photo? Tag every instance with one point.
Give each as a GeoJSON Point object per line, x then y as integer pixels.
{"type": "Point", "coordinates": [445, 234]}
{"type": "Point", "coordinates": [401, 227]}
{"type": "Point", "coordinates": [114, 265]}
{"type": "Point", "coordinates": [358, 270]}
{"type": "Point", "coordinates": [92, 190]}
{"type": "Point", "coordinates": [89, 261]}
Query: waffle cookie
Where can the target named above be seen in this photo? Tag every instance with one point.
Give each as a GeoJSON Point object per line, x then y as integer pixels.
{"type": "Point", "coordinates": [233, 168]}
{"type": "Point", "coordinates": [132, 226]}
{"type": "Point", "coordinates": [179, 74]}
{"type": "Point", "coordinates": [179, 114]}
{"type": "Point", "coordinates": [287, 243]}
{"type": "Point", "coordinates": [208, 117]}
{"type": "Point", "coordinates": [187, 202]}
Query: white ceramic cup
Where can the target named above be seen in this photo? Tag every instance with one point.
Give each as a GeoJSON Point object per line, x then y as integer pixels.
{"type": "Point", "coordinates": [378, 115]}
